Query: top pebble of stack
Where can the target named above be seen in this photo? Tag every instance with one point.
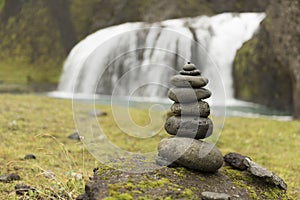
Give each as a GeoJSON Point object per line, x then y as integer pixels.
{"type": "Point", "coordinates": [189, 77]}
{"type": "Point", "coordinates": [189, 67]}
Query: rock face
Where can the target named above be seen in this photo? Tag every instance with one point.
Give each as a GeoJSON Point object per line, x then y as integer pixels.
{"type": "Point", "coordinates": [267, 68]}
{"type": "Point", "coordinates": [189, 123]}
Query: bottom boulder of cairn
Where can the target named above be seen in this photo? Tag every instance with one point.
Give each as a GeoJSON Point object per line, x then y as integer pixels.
{"type": "Point", "coordinates": [189, 153]}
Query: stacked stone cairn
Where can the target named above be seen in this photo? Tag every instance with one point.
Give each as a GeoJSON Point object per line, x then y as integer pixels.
{"type": "Point", "coordinates": [189, 124]}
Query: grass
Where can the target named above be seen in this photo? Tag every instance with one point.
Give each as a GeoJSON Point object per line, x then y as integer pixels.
{"type": "Point", "coordinates": [40, 125]}
{"type": "Point", "coordinates": [13, 72]}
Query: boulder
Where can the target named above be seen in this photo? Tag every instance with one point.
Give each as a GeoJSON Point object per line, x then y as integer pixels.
{"type": "Point", "coordinates": [190, 153]}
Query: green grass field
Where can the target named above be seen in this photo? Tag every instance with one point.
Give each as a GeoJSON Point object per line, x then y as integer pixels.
{"type": "Point", "coordinates": [40, 125]}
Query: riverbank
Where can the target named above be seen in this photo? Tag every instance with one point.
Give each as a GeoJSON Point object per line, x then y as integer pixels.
{"type": "Point", "coordinates": [41, 125]}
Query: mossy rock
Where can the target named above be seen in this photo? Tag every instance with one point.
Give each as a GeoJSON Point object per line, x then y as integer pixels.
{"type": "Point", "coordinates": [178, 183]}
{"type": "Point", "coordinates": [259, 77]}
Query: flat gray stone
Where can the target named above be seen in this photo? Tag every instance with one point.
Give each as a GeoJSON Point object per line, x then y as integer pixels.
{"type": "Point", "coordinates": [195, 72]}
{"type": "Point", "coordinates": [263, 173]}
{"type": "Point", "coordinates": [214, 196]}
{"type": "Point", "coordinates": [190, 153]}
{"type": "Point", "coordinates": [189, 81]}
{"type": "Point", "coordinates": [200, 108]}
{"type": "Point", "coordinates": [186, 95]}
{"type": "Point", "coordinates": [191, 127]}
{"type": "Point", "coordinates": [189, 67]}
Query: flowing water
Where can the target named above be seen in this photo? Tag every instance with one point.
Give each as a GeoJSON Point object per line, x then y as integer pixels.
{"type": "Point", "coordinates": [138, 59]}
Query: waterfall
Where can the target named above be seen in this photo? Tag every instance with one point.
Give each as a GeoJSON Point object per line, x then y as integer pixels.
{"type": "Point", "coordinates": [138, 59]}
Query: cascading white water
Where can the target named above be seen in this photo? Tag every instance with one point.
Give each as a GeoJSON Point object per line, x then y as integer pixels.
{"type": "Point", "coordinates": [132, 54]}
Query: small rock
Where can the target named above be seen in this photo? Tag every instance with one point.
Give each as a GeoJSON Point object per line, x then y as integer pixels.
{"type": "Point", "coordinates": [263, 173]}
{"type": "Point", "coordinates": [214, 196]}
{"type": "Point", "coordinates": [195, 72]}
{"type": "Point", "coordinates": [235, 160]}
{"type": "Point", "coordinates": [49, 174]}
{"type": "Point", "coordinates": [29, 156]}
{"type": "Point", "coordinates": [97, 113]}
{"type": "Point", "coordinates": [185, 95]}
{"type": "Point", "coordinates": [191, 127]}
{"type": "Point", "coordinates": [189, 67]}
{"type": "Point", "coordinates": [200, 108]}
{"type": "Point", "coordinates": [74, 136]}
{"type": "Point", "coordinates": [9, 177]}
{"type": "Point", "coordinates": [190, 153]}
{"type": "Point", "coordinates": [21, 189]}
{"type": "Point", "coordinates": [189, 81]}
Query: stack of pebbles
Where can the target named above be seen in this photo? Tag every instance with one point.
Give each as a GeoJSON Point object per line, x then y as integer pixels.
{"type": "Point", "coordinates": [188, 124]}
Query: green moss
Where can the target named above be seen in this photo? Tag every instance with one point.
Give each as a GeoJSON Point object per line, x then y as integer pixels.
{"type": "Point", "coordinates": [180, 172]}
{"type": "Point", "coordinates": [274, 193]}
{"type": "Point", "coordinates": [152, 184]}
{"type": "Point", "coordinates": [124, 196]}
{"type": "Point", "coordinates": [187, 193]}
{"type": "Point", "coordinates": [82, 15]}
{"type": "Point", "coordinates": [2, 2]}
{"type": "Point", "coordinates": [244, 61]}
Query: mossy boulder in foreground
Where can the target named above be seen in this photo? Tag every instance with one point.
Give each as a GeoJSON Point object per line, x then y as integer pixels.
{"type": "Point", "coordinates": [178, 183]}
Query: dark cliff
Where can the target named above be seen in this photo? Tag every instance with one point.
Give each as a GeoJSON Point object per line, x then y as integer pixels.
{"type": "Point", "coordinates": [267, 68]}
